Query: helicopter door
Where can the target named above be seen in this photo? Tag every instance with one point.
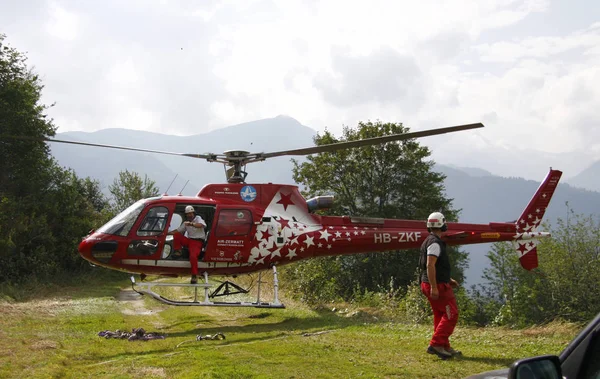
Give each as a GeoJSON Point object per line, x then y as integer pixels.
{"type": "Point", "coordinates": [147, 242]}
{"type": "Point", "coordinates": [203, 210]}
{"type": "Point", "coordinates": [231, 235]}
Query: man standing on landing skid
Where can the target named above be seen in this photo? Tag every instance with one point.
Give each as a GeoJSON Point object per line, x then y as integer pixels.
{"type": "Point", "coordinates": [194, 226]}
{"type": "Point", "coordinates": [437, 285]}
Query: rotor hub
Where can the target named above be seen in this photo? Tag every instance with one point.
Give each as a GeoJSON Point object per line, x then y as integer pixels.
{"type": "Point", "coordinates": [236, 153]}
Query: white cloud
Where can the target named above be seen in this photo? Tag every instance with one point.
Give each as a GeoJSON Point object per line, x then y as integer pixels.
{"type": "Point", "coordinates": [62, 23]}
{"type": "Point", "coordinates": [497, 14]}
{"type": "Point", "coordinates": [303, 43]}
{"type": "Point", "coordinates": [184, 68]}
{"type": "Point", "coordinates": [382, 77]}
{"type": "Point", "coordinates": [541, 47]}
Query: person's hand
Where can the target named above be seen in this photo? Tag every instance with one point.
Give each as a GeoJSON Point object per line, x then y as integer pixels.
{"type": "Point", "coordinates": [435, 294]}
{"type": "Point", "coordinates": [454, 283]}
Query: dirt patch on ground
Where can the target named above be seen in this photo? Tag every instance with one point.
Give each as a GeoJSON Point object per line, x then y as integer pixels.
{"type": "Point", "coordinates": [132, 303]}
{"type": "Point", "coordinates": [553, 328]}
{"type": "Point", "coordinates": [54, 306]}
{"type": "Point", "coordinates": [128, 295]}
{"type": "Point", "coordinates": [45, 345]}
{"type": "Point", "coordinates": [6, 353]}
{"type": "Point", "coordinates": [152, 372]}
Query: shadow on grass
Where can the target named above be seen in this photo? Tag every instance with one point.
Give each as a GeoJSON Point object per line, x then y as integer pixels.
{"type": "Point", "coordinates": [291, 324]}
{"type": "Point", "coordinates": [488, 360]}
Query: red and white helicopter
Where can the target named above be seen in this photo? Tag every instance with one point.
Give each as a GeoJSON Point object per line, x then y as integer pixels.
{"type": "Point", "coordinates": [256, 227]}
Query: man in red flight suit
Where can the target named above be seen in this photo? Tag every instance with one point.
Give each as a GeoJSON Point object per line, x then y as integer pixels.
{"type": "Point", "coordinates": [194, 228]}
{"type": "Point", "coordinates": [437, 285]}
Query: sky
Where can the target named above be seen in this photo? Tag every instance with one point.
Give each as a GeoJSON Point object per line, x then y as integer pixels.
{"type": "Point", "coordinates": [528, 69]}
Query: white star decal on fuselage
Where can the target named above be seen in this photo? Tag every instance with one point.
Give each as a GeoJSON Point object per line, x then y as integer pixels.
{"type": "Point", "coordinates": [325, 235]}
{"type": "Point", "coordinates": [284, 229]}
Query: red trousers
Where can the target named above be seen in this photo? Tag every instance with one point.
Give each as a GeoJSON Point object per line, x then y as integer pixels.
{"type": "Point", "coordinates": [194, 246]}
{"type": "Point", "coordinates": [445, 313]}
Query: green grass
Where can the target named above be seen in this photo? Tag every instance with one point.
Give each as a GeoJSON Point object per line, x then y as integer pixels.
{"type": "Point", "coordinates": [57, 336]}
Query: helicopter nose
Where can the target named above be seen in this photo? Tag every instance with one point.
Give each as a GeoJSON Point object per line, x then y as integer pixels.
{"type": "Point", "coordinates": [97, 250]}
{"type": "Point", "coordinates": [85, 249]}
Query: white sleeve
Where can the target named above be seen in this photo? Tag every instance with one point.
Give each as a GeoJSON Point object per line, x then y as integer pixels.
{"type": "Point", "coordinates": [434, 249]}
{"type": "Point", "coordinates": [200, 220]}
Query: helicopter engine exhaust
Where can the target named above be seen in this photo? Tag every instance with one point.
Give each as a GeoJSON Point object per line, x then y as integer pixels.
{"type": "Point", "coordinates": [319, 202]}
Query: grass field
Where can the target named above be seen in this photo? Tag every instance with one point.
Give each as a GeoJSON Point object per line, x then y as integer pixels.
{"type": "Point", "coordinates": [56, 335]}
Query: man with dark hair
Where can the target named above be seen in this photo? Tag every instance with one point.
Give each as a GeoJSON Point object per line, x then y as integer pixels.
{"type": "Point", "coordinates": [437, 285]}
{"type": "Point", "coordinates": [194, 228]}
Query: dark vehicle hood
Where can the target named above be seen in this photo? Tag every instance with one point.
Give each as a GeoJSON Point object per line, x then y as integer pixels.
{"type": "Point", "coordinates": [496, 374]}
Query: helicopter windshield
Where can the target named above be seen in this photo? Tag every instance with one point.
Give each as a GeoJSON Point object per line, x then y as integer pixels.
{"type": "Point", "coordinates": [122, 223]}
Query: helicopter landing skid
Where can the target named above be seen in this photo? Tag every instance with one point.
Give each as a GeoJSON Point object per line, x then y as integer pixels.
{"type": "Point", "coordinates": [222, 290]}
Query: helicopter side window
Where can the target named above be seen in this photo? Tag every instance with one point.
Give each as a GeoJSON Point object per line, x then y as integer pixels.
{"type": "Point", "coordinates": [176, 220]}
{"type": "Point", "coordinates": [234, 222]}
{"type": "Point", "coordinates": [154, 222]}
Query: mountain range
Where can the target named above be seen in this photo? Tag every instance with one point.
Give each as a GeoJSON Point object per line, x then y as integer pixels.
{"type": "Point", "coordinates": [481, 196]}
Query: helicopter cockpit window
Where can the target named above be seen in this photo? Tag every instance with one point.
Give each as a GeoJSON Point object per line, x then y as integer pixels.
{"type": "Point", "coordinates": [234, 222]}
{"type": "Point", "coordinates": [123, 222]}
{"type": "Point", "coordinates": [154, 222]}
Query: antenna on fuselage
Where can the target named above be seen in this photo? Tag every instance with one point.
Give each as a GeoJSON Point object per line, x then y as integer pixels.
{"type": "Point", "coordinates": [169, 187]}
{"type": "Point", "coordinates": [183, 187]}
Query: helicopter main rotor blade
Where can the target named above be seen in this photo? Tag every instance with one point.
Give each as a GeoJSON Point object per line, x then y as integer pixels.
{"type": "Point", "coordinates": [369, 141]}
{"type": "Point", "coordinates": [202, 156]}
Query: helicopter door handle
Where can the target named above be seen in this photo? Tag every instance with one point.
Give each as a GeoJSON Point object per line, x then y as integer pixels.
{"type": "Point", "coordinates": [151, 243]}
